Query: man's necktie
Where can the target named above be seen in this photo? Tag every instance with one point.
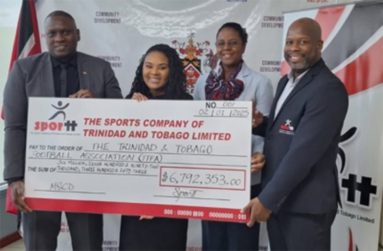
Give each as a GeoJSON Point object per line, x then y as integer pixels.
{"type": "Point", "coordinates": [63, 81]}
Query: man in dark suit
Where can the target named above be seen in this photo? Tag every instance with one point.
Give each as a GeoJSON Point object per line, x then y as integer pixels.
{"type": "Point", "coordinates": [60, 72]}
{"type": "Point", "coordinates": [299, 182]}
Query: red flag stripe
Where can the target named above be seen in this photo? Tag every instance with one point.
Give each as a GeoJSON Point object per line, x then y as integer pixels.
{"type": "Point", "coordinates": [28, 46]}
{"type": "Point", "coordinates": [33, 45]}
{"type": "Point", "coordinates": [350, 242]}
{"type": "Point", "coordinates": [328, 18]}
{"type": "Point", "coordinates": [36, 34]}
{"type": "Point", "coordinates": [365, 71]}
{"type": "Point", "coordinates": [15, 49]}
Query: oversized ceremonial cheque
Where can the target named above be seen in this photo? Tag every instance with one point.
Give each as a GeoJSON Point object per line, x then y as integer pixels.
{"type": "Point", "coordinates": [182, 159]}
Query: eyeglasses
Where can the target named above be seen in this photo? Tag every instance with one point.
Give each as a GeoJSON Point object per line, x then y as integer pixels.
{"type": "Point", "coordinates": [231, 43]}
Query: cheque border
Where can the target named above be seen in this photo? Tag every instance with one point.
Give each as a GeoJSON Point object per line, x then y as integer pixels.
{"type": "Point", "coordinates": [158, 210]}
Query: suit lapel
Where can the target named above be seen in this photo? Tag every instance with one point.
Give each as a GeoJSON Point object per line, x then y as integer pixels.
{"type": "Point", "coordinates": [307, 79]}
{"type": "Point", "coordinates": [45, 80]}
{"type": "Point", "coordinates": [302, 83]}
{"type": "Point", "coordinates": [281, 85]}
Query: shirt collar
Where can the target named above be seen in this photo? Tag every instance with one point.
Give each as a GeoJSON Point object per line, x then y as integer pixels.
{"type": "Point", "coordinates": [69, 61]}
{"type": "Point", "coordinates": [291, 79]}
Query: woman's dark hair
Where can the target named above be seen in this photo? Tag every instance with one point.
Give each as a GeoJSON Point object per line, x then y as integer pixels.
{"type": "Point", "coordinates": [175, 88]}
{"type": "Point", "coordinates": [238, 28]}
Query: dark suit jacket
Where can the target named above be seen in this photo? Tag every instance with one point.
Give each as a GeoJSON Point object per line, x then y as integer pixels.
{"type": "Point", "coordinates": [301, 144]}
{"type": "Point", "coordinates": [33, 77]}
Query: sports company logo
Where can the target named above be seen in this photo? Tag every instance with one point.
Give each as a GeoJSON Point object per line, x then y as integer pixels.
{"type": "Point", "coordinates": [56, 126]}
{"type": "Point", "coordinates": [287, 128]}
{"type": "Point", "coordinates": [359, 189]}
{"type": "Point", "coordinates": [197, 57]}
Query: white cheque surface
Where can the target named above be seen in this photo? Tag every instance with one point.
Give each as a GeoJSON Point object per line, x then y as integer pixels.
{"type": "Point", "coordinates": [167, 158]}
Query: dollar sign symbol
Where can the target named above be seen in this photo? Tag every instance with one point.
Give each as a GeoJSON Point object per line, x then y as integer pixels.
{"type": "Point", "coordinates": [164, 177]}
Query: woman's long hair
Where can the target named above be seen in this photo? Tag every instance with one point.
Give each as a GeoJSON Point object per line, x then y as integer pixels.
{"type": "Point", "coordinates": [175, 88]}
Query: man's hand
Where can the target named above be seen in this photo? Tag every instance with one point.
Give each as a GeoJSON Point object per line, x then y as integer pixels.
{"type": "Point", "coordinates": [82, 93]}
{"type": "Point", "coordinates": [257, 162]}
{"type": "Point", "coordinates": [139, 97]}
{"type": "Point", "coordinates": [258, 212]}
{"type": "Point", "coordinates": [18, 196]}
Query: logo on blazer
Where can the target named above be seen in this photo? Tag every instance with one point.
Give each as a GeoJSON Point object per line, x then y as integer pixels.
{"type": "Point", "coordinates": [57, 126]}
{"type": "Point", "coordinates": [287, 128]}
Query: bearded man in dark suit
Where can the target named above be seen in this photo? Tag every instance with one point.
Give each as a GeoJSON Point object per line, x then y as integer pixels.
{"type": "Point", "coordinates": [60, 72]}
{"type": "Point", "coordinates": [300, 180]}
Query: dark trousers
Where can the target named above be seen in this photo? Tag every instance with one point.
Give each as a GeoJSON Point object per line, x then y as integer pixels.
{"type": "Point", "coordinates": [41, 229]}
{"type": "Point", "coordinates": [297, 231]}
{"type": "Point", "coordinates": [155, 234]}
{"type": "Point", "coordinates": [230, 236]}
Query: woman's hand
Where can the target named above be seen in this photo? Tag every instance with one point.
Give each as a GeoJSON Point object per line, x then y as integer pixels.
{"type": "Point", "coordinates": [258, 161]}
{"type": "Point", "coordinates": [257, 118]}
{"type": "Point", "coordinates": [139, 97]}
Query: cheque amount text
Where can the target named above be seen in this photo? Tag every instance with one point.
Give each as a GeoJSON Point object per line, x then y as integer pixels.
{"type": "Point", "coordinates": [203, 178]}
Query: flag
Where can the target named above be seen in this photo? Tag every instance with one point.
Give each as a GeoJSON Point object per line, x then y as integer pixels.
{"type": "Point", "coordinates": [26, 43]}
{"type": "Point", "coordinates": [27, 38]}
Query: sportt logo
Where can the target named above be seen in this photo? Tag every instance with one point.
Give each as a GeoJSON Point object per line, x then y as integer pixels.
{"type": "Point", "coordinates": [54, 126]}
{"type": "Point", "coordinates": [287, 127]}
{"type": "Point", "coordinates": [60, 110]}
{"type": "Point", "coordinates": [350, 183]}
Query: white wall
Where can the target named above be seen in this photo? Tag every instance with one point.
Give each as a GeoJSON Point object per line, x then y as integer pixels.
{"type": "Point", "coordinates": [9, 13]}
